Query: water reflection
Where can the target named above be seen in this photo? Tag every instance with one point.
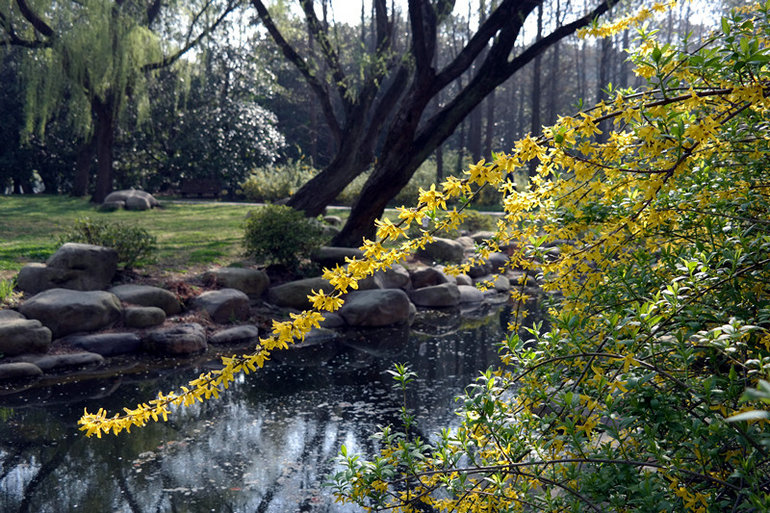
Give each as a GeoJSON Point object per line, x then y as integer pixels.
{"type": "Point", "coordinates": [265, 446]}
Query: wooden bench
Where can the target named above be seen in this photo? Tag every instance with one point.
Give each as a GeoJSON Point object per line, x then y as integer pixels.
{"type": "Point", "coordinates": [201, 187]}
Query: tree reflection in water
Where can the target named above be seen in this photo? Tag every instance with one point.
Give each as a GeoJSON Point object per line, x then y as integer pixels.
{"type": "Point", "coordinates": [264, 446]}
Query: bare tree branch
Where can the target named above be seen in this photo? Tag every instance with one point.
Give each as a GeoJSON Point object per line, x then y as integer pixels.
{"type": "Point", "coordinates": [291, 54]}
{"type": "Point", "coordinates": [36, 21]}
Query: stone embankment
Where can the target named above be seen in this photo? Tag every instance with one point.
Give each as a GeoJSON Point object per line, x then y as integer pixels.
{"type": "Point", "coordinates": [73, 317]}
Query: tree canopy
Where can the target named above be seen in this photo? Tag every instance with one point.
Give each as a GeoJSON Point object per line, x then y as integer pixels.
{"type": "Point", "coordinates": [93, 56]}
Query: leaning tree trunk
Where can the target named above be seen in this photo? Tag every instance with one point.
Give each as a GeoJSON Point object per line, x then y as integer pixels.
{"type": "Point", "coordinates": [105, 139]}
{"type": "Point", "coordinates": [320, 191]}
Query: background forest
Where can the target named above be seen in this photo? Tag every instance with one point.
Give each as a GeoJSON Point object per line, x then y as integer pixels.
{"type": "Point", "coordinates": [225, 103]}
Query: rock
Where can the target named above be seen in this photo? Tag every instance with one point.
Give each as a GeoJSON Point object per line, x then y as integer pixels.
{"type": "Point", "coordinates": [70, 311]}
{"type": "Point", "coordinates": [319, 346]}
{"type": "Point", "coordinates": [480, 269]}
{"type": "Point", "coordinates": [466, 242]}
{"type": "Point", "coordinates": [328, 256]}
{"type": "Point", "coordinates": [143, 316]}
{"type": "Point", "coordinates": [368, 283]}
{"type": "Point", "coordinates": [428, 277]}
{"type": "Point", "coordinates": [10, 315]}
{"type": "Point", "coordinates": [133, 199]}
{"type": "Point", "coordinates": [74, 266]}
{"type": "Point", "coordinates": [446, 294]}
{"type": "Point", "coordinates": [463, 279]}
{"type": "Point", "coordinates": [500, 283]}
{"type": "Point", "coordinates": [19, 370]}
{"type": "Point", "coordinates": [395, 277]}
{"type": "Point", "coordinates": [179, 340]}
{"type": "Point", "coordinates": [333, 220]}
{"type": "Point", "coordinates": [48, 363]}
{"type": "Point", "coordinates": [97, 262]}
{"type": "Point", "coordinates": [112, 206]}
{"type": "Point", "coordinates": [294, 293]}
{"type": "Point", "coordinates": [252, 282]}
{"type": "Point", "coordinates": [379, 307]}
{"type": "Point", "coordinates": [224, 305]}
{"type": "Point", "coordinates": [470, 294]}
{"type": "Point", "coordinates": [146, 295]}
{"type": "Point", "coordinates": [479, 237]}
{"type": "Point", "coordinates": [106, 344]}
{"type": "Point", "coordinates": [332, 320]}
{"type": "Point", "coordinates": [497, 260]}
{"type": "Point", "coordinates": [20, 336]}
{"type": "Point", "coordinates": [444, 250]}
{"type": "Point", "coordinates": [246, 334]}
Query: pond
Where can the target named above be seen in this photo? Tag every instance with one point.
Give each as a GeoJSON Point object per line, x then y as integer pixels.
{"type": "Point", "coordinates": [266, 445]}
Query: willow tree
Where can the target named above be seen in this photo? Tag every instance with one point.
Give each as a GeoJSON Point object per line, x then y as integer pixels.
{"type": "Point", "coordinates": [94, 56]}
{"type": "Point", "coordinates": [388, 100]}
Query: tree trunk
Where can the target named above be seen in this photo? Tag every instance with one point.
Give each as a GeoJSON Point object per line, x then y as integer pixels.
{"type": "Point", "coordinates": [474, 135]}
{"type": "Point", "coordinates": [489, 132]}
{"type": "Point", "coordinates": [605, 70]}
{"type": "Point", "coordinates": [105, 139]}
{"type": "Point", "coordinates": [83, 167]}
{"type": "Point", "coordinates": [553, 92]}
{"type": "Point", "coordinates": [535, 92]}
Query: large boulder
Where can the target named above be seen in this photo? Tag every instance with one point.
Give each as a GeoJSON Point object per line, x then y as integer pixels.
{"type": "Point", "coordinates": [54, 362]}
{"type": "Point", "coordinates": [179, 340]}
{"type": "Point", "coordinates": [143, 316]}
{"type": "Point", "coordinates": [428, 277]}
{"type": "Point", "coordinates": [70, 311]}
{"type": "Point", "coordinates": [294, 293]}
{"type": "Point", "coordinates": [499, 282]}
{"type": "Point", "coordinates": [10, 315]}
{"type": "Point", "coordinates": [377, 307]}
{"type": "Point", "coordinates": [146, 295]}
{"type": "Point", "coordinates": [245, 334]}
{"type": "Point", "coordinates": [19, 370]}
{"type": "Point", "coordinates": [133, 199]}
{"type": "Point", "coordinates": [252, 282]}
{"type": "Point", "coordinates": [394, 277]}
{"type": "Point", "coordinates": [224, 305]}
{"type": "Point", "coordinates": [498, 260]}
{"type": "Point", "coordinates": [74, 266]}
{"type": "Point", "coordinates": [446, 294]}
{"type": "Point", "coordinates": [470, 294]}
{"type": "Point", "coordinates": [443, 250]}
{"type": "Point", "coordinates": [18, 336]}
{"type": "Point", "coordinates": [480, 269]}
{"type": "Point", "coordinates": [106, 344]}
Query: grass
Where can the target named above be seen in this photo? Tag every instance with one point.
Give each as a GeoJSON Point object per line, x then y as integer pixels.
{"type": "Point", "coordinates": [187, 233]}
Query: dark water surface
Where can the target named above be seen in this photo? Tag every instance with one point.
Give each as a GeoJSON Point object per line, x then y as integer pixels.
{"type": "Point", "coordinates": [265, 446]}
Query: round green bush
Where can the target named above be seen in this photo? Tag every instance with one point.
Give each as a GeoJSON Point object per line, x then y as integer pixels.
{"type": "Point", "coordinates": [277, 234]}
{"type": "Point", "coordinates": [133, 243]}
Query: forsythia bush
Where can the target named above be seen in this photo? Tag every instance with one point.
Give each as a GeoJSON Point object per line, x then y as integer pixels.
{"type": "Point", "coordinates": [646, 393]}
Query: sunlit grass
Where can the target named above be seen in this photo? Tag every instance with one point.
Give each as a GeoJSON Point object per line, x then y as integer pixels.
{"type": "Point", "coordinates": [187, 233]}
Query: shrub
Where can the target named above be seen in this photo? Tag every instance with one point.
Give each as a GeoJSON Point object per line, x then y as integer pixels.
{"type": "Point", "coordinates": [133, 244]}
{"type": "Point", "coordinates": [473, 221]}
{"type": "Point", "coordinates": [275, 182]}
{"type": "Point", "coordinates": [281, 235]}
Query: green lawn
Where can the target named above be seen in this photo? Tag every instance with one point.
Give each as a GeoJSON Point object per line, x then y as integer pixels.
{"type": "Point", "coordinates": [188, 234]}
